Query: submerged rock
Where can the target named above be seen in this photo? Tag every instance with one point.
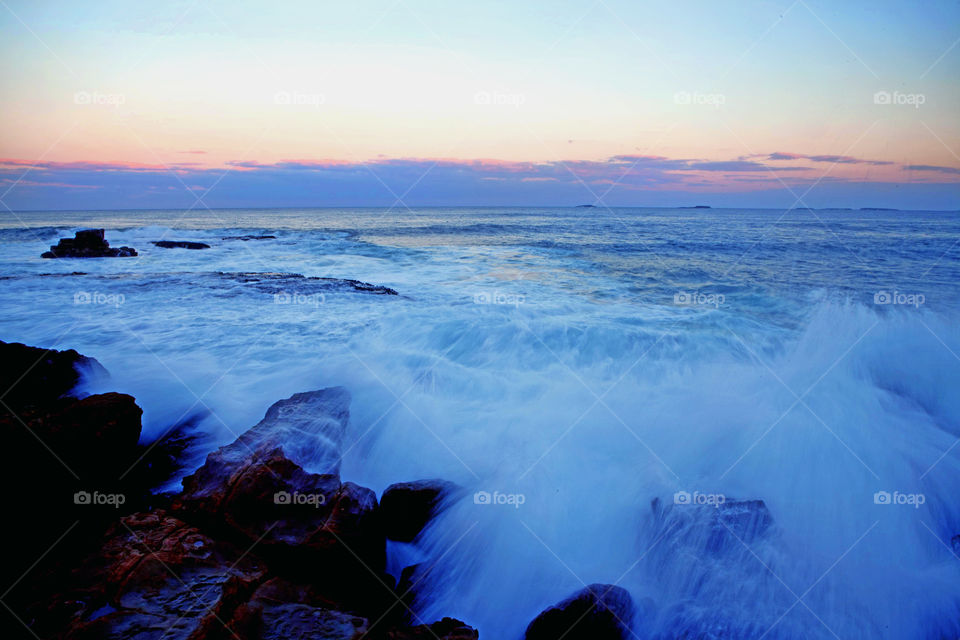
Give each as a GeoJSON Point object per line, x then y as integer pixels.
{"type": "Point", "coordinates": [249, 237]}
{"type": "Point", "coordinates": [598, 612]}
{"type": "Point", "coordinates": [89, 243]}
{"type": "Point", "coordinates": [713, 528]}
{"type": "Point", "coordinates": [289, 284]}
{"type": "Point", "coordinates": [446, 629]}
{"type": "Point", "coordinates": [407, 507]}
{"type": "Point", "coordinates": [179, 244]}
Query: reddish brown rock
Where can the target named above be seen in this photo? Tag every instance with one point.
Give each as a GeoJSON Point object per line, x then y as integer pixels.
{"type": "Point", "coordinates": [153, 574]}
{"type": "Point", "coordinates": [310, 525]}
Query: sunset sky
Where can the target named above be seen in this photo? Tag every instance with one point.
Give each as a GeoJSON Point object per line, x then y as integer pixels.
{"type": "Point", "coordinates": [414, 102]}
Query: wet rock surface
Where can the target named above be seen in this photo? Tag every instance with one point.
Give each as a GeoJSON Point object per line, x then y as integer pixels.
{"type": "Point", "coordinates": [265, 541]}
{"type": "Point", "coordinates": [598, 612]}
{"type": "Point", "coordinates": [295, 283]}
{"type": "Point", "coordinates": [407, 507]}
{"type": "Point", "coordinates": [89, 243]}
{"type": "Point", "coordinates": [179, 244]}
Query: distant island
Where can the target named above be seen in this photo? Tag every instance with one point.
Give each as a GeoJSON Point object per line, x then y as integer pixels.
{"type": "Point", "coordinates": [697, 206]}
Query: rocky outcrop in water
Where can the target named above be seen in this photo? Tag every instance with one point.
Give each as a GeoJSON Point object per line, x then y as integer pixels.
{"type": "Point", "coordinates": [179, 244]}
{"type": "Point", "coordinates": [89, 243]}
{"type": "Point", "coordinates": [291, 284]}
{"type": "Point", "coordinates": [407, 507]}
{"type": "Point", "coordinates": [598, 612]}
{"type": "Point", "coordinates": [249, 237]}
{"type": "Point", "coordinates": [265, 541]}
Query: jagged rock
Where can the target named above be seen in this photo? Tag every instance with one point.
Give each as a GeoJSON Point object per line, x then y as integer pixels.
{"type": "Point", "coordinates": [32, 376]}
{"type": "Point", "coordinates": [289, 284]}
{"type": "Point", "coordinates": [96, 437]}
{"type": "Point", "coordinates": [89, 243]}
{"type": "Point", "coordinates": [152, 575]}
{"type": "Point", "coordinates": [282, 610]}
{"type": "Point", "coordinates": [445, 629]}
{"type": "Point", "coordinates": [407, 507]}
{"type": "Point", "coordinates": [179, 244]}
{"type": "Point", "coordinates": [311, 524]}
{"type": "Point", "coordinates": [598, 612]}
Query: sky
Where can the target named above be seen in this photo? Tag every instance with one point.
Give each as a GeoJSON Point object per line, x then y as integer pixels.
{"type": "Point", "coordinates": [203, 103]}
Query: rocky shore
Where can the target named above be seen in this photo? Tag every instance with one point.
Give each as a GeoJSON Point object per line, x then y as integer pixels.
{"type": "Point", "coordinates": [255, 545]}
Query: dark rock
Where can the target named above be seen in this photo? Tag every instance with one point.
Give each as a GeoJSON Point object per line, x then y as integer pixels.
{"type": "Point", "coordinates": [282, 610]}
{"type": "Point", "coordinates": [246, 238]}
{"type": "Point", "coordinates": [179, 244]}
{"type": "Point", "coordinates": [445, 629]}
{"type": "Point", "coordinates": [95, 436]}
{"type": "Point", "coordinates": [152, 575]}
{"type": "Point", "coordinates": [598, 612]}
{"type": "Point", "coordinates": [311, 524]}
{"type": "Point", "coordinates": [32, 376]}
{"type": "Point", "coordinates": [280, 284]}
{"type": "Point", "coordinates": [89, 243]}
{"type": "Point", "coordinates": [955, 543]}
{"type": "Point", "coordinates": [406, 507]}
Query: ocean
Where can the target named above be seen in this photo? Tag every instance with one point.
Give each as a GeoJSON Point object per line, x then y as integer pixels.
{"type": "Point", "coordinates": [585, 375]}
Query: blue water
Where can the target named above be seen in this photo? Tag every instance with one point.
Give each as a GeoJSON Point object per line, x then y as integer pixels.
{"type": "Point", "coordinates": [579, 362]}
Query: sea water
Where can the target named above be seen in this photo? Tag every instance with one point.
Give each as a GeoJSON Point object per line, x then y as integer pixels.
{"type": "Point", "coordinates": [567, 367]}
